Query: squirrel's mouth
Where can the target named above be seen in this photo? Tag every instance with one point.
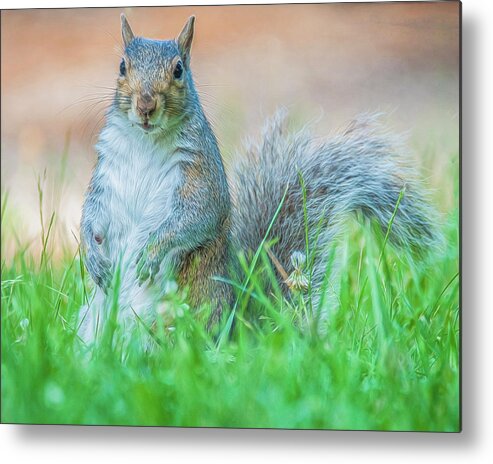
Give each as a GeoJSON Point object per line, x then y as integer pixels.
{"type": "Point", "coordinates": [147, 126]}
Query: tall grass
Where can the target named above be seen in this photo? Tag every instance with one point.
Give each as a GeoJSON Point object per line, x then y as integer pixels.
{"type": "Point", "coordinates": [388, 361]}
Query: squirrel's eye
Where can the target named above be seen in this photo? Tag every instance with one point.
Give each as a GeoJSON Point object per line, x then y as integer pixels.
{"type": "Point", "coordinates": [177, 73]}
{"type": "Point", "coordinates": [123, 69]}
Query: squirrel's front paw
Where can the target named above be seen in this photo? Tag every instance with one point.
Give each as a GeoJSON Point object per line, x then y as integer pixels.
{"type": "Point", "coordinates": [148, 262]}
{"type": "Point", "coordinates": [100, 269]}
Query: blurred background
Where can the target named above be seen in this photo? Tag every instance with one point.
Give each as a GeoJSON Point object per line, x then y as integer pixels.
{"type": "Point", "coordinates": [324, 62]}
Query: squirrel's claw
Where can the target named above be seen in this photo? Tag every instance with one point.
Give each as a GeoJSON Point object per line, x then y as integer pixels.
{"type": "Point", "coordinates": [99, 267]}
{"type": "Point", "coordinates": [103, 281]}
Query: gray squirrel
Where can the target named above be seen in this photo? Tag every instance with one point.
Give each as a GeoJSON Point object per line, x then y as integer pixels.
{"type": "Point", "coordinates": [160, 207]}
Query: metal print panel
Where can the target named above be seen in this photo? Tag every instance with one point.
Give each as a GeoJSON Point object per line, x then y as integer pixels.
{"type": "Point", "coordinates": [232, 216]}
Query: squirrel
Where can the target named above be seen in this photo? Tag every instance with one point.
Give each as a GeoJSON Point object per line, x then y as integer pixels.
{"type": "Point", "coordinates": [161, 208]}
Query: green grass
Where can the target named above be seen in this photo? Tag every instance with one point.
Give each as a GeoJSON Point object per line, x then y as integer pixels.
{"type": "Point", "coordinates": [389, 360]}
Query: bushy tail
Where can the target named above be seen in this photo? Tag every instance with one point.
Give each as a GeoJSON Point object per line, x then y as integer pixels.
{"type": "Point", "coordinates": [360, 169]}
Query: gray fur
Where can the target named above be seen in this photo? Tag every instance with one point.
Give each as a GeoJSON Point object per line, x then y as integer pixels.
{"type": "Point", "coordinates": [361, 169]}
{"type": "Point", "coordinates": [141, 200]}
{"type": "Point", "coordinates": [160, 203]}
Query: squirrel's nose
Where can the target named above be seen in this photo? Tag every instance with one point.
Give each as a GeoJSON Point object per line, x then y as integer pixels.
{"type": "Point", "coordinates": [146, 105]}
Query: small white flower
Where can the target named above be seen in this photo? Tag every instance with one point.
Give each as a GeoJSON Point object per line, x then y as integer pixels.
{"type": "Point", "coordinates": [297, 280]}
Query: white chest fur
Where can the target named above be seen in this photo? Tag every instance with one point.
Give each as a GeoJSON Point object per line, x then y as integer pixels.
{"type": "Point", "coordinates": [142, 177]}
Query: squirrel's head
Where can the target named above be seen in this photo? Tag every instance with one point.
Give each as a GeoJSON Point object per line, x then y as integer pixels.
{"type": "Point", "coordinates": [154, 78]}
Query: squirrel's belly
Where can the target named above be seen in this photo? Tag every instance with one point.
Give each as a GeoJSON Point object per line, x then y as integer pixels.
{"type": "Point", "coordinates": [140, 202]}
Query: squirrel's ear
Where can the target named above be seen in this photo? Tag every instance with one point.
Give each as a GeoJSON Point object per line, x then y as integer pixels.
{"type": "Point", "coordinates": [184, 40]}
{"type": "Point", "coordinates": [127, 33]}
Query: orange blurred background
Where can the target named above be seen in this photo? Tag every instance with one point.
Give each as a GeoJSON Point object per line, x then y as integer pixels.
{"type": "Point", "coordinates": [325, 62]}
